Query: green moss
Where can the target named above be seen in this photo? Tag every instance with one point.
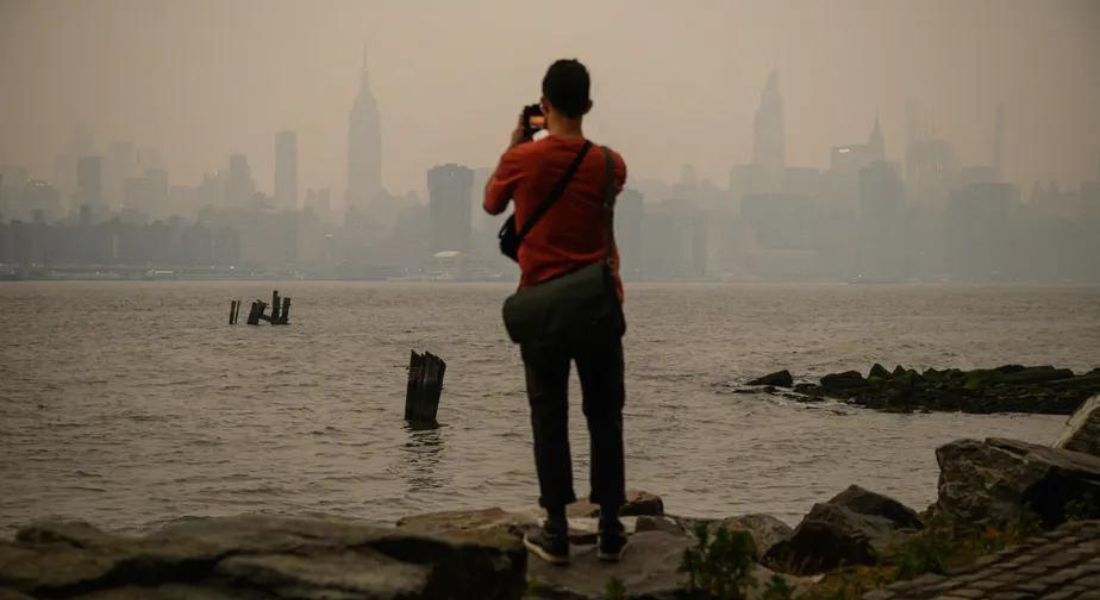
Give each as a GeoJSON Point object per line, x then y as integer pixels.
{"type": "Point", "coordinates": [720, 569]}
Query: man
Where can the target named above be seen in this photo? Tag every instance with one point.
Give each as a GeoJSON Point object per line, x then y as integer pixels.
{"type": "Point", "coordinates": [570, 235]}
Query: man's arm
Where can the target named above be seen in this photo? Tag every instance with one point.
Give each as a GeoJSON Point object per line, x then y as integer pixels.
{"type": "Point", "coordinates": [501, 186]}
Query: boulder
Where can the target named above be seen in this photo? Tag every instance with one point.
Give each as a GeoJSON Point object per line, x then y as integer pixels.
{"type": "Point", "coordinates": [261, 557]}
{"type": "Point", "coordinates": [666, 524]}
{"type": "Point", "coordinates": [848, 380]}
{"type": "Point", "coordinates": [1035, 375]}
{"type": "Point", "coordinates": [766, 530]}
{"type": "Point", "coordinates": [999, 481]}
{"type": "Point", "coordinates": [833, 536]}
{"type": "Point", "coordinates": [1082, 432]}
{"type": "Point", "coordinates": [778, 379]}
{"type": "Point", "coordinates": [878, 372]}
{"type": "Point", "coordinates": [866, 502]}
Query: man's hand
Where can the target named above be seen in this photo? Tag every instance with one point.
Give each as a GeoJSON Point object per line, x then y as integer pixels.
{"type": "Point", "coordinates": [518, 136]}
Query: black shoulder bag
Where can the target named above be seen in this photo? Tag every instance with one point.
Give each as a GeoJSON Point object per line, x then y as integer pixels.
{"type": "Point", "coordinates": [582, 298]}
{"type": "Point", "coordinates": [509, 238]}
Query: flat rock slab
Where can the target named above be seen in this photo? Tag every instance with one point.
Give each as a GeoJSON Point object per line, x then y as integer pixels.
{"type": "Point", "coordinates": [250, 557]}
{"type": "Point", "coordinates": [649, 569]}
{"type": "Point", "coordinates": [1064, 563]}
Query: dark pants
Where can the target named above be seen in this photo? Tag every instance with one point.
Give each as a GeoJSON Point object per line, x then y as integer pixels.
{"type": "Point", "coordinates": [598, 352]}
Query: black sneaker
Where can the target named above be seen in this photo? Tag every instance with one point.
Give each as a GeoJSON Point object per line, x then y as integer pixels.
{"type": "Point", "coordinates": [611, 544]}
{"type": "Point", "coordinates": [550, 545]}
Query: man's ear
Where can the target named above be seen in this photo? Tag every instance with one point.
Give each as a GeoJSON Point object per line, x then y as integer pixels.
{"type": "Point", "coordinates": [544, 104]}
{"type": "Point", "coordinates": [587, 107]}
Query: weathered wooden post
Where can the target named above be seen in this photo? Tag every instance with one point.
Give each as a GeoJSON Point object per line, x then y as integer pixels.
{"type": "Point", "coordinates": [275, 307]}
{"type": "Point", "coordinates": [424, 387]}
{"type": "Point", "coordinates": [237, 313]}
{"type": "Point", "coordinates": [257, 312]}
{"type": "Point", "coordinates": [232, 310]}
{"type": "Point", "coordinates": [284, 314]}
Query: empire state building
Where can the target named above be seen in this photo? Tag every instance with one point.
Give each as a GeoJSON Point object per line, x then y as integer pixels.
{"type": "Point", "coordinates": [364, 149]}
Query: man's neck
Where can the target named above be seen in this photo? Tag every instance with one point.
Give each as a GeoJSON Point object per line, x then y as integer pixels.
{"type": "Point", "coordinates": [566, 128]}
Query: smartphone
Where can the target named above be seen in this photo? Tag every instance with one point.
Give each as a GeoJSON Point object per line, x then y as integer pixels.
{"type": "Point", "coordinates": [533, 120]}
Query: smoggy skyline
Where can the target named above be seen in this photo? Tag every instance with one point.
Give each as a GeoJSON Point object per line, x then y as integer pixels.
{"type": "Point", "coordinates": [673, 84]}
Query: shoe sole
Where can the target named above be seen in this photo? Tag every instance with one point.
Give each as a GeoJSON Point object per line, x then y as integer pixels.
{"type": "Point", "coordinates": [544, 555]}
{"type": "Point", "coordinates": [608, 557]}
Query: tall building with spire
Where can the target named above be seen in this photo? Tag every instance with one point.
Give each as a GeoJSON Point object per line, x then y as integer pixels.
{"type": "Point", "coordinates": [769, 136]}
{"type": "Point", "coordinates": [364, 148]}
{"type": "Point", "coordinates": [876, 144]}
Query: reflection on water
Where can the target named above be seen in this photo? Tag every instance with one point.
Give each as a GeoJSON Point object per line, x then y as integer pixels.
{"type": "Point", "coordinates": [420, 457]}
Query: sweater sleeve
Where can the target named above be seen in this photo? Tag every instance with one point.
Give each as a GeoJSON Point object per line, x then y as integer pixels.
{"type": "Point", "coordinates": [501, 187]}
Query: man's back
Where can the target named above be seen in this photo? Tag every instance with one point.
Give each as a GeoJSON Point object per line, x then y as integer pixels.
{"type": "Point", "coordinates": [571, 234]}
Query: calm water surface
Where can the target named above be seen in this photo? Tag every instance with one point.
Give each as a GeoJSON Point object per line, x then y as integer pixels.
{"type": "Point", "coordinates": [131, 404]}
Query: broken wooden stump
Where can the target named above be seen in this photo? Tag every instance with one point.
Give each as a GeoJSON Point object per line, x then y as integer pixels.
{"type": "Point", "coordinates": [233, 305]}
{"type": "Point", "coordinates": [425, 385]}
{"type": "Point", "coordinates": [257, 312]}
{"type": "Point", "coordinates": [280, 311]}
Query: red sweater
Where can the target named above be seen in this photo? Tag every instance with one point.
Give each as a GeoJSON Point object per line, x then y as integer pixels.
{"type": "Point", "coordinates": [571, 234]}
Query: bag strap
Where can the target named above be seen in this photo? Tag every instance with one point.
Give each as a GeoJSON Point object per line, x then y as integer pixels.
{"type": "Point", "coordinates": [608, 204]}
{"type": "Point", "coordinates": [555, 193]}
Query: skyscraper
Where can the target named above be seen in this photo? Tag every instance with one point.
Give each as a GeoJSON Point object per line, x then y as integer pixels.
{"type": "Point", "coordinates": [239, 186]}
{"type": "Point", "coordinates": [89, 182]}
{"type": "Point", "coordinates": [998, 142]}
{"type": "Point", "coordinates": [286, 170]}
{"type": "Point", "coordinates": [449, 187]}
{"type": "Point", "coordinates": [364, 148]}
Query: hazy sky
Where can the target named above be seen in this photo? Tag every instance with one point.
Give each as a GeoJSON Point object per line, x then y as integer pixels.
{"type": "Point", "coordinates": [674, 82]}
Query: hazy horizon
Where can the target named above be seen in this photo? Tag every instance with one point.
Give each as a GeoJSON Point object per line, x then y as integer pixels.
{"type": "Point", "coordinates": [673, 84]}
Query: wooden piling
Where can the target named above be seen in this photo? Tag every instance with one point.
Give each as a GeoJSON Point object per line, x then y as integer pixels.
{"type": "Point", "coordinates": [275, 307]}
{"type": "Point", "coordinates": [423, 388]}
{"type": "Point", "coordinates": [284, 314]}
{"type": "Point", "coordinates": [232, 311]}
{"type": "Point", "coordinates": [257, 312]}
{"type": "Point", "coordinates": [237, 313]}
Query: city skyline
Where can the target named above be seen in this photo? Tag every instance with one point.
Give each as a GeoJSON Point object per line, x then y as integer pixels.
{"type": "Point", "coordinates": [960, 62]}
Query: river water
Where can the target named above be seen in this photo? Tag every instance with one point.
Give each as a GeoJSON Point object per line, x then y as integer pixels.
{"type": "Point", "coordinates": [130, 404]}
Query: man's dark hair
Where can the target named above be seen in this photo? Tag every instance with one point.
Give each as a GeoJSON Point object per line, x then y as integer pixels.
{"type": "Point", "coordinates": [566, 86]}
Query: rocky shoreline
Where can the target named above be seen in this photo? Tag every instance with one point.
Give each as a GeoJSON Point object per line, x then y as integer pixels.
{"type": "Point", "coordinates": [1008, 388]}
{"type": "Point", "coordinates": [992, 485]}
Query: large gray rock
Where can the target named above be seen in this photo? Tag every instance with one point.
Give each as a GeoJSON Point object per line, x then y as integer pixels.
{"type": "Point", "coordinates": [261, 557]}
{"type": "Point", "coordinates": [766, 530]}
{"type": "Point", "coordinates": [1082, 432]}
{"type": "Point", "coordinates": [779, 379]}
{"type": "Point", "coordinates": [998, 481]}
{"type": "Point", "coordinates": [833, 536]}
{"type": "Point", "coordinates": [866, 502]}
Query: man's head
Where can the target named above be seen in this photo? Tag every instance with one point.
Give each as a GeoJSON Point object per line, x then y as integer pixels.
{"type": "Point", "coordinates": [565, 89]}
